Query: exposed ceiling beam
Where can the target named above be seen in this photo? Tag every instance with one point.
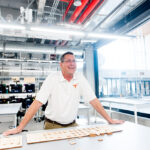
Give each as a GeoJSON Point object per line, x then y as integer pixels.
{"type": "Point", "coordinates": [118, 7]}
{"type": "Point", "coordinates": [134, 19]}
{"type": "Point", "coordinates": [54, 8]}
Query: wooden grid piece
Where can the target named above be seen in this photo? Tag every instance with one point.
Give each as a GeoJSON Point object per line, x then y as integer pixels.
{"type": "Point", "coordinates": [70, 133]}
{"type": "Point", "coordinates": [10, 142]}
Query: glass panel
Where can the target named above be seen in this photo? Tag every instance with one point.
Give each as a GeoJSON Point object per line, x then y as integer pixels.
{"type": "Point", "coordinates": [124, 65]}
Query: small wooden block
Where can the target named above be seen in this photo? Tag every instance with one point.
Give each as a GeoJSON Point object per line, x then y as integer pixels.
{"type": "Point", "coordinates": [69, 134]}
{"type": "Point", "coordinates": [100, 139]}
{"type": "Point", "coordinates": [10, 142]}
{"type": "Point", "coordinates": [72, 143]}
{"type": "Point", "coordinates": [109, 133]}
{"type": "Point", "coordinates": [92, 135]}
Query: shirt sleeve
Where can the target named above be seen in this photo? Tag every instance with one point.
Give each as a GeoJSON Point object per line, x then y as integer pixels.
{"type": "Point", "coordinates": [86, 90]}
{"type": "Point", "coordinates": [45, 90]}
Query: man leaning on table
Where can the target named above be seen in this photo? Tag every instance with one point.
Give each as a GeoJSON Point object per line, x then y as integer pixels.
{"type": "Point", "coordinates": [63, 90]}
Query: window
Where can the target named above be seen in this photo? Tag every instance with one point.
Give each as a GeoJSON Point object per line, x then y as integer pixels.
{"type": "Point", "coordinates": [124, 67]}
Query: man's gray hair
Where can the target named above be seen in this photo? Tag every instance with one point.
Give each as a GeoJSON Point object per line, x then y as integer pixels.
{"type": "Point", "coordinates": [63, 56]}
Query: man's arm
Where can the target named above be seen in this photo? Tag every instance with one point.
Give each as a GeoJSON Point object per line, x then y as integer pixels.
{"type": "Point", "coordinates": [100, 109]}
{"type": "Point", "coordinates": [28, 116]}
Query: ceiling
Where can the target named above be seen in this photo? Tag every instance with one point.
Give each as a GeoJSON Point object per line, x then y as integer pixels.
{"type": "Point", "coordinates": [143, 30]}
{"type": "Point", "coordinates": [93, 16]}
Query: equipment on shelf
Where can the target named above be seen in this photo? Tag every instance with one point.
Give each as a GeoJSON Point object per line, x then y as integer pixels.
{"type": "Point", "coordinates": [16, 88]}
{"type": "Point", "coordinates": [2, 88]}
{"type": "Point", "coordinates": [30, 88]}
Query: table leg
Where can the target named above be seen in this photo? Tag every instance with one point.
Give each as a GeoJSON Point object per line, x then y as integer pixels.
{"type": "Point", "coordinates": [95, 114]}
{"type": "Point", "coordinates": [135, 114]}
{"type": "Point", "coordinates": [110, 110]}
{"type": "Point", "coordinates": [15, 120]}
{"type": "Point", "coordinates": [88, 116]}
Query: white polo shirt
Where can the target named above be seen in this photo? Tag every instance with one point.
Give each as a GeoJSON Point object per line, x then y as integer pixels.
{"type": "Point", "coordinates": [63, 96]}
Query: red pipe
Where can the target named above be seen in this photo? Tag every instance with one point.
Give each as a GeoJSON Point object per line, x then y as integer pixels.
{"type": "Point", "coordinates": [65, 1]}
{"type": "Point", "coordinates": [89, 9]}
{"type": "Point", "coordinates": [67, 9]}
{"type": "Point", "coordinates": [78, 11]}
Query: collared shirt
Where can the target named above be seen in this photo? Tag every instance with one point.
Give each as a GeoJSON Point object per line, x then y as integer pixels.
{"type": "Point", "coordinates": [63, 96]}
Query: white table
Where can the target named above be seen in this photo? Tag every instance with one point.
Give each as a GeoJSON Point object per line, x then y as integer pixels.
{"type": "Point", "coordinates": [10, 109]}
{"type": "Point", "coordinates": [136, 103]}
{"type": "Point", "coordinates": [86, 108]}
{"type": "Point", "coordinates": [133, 137]}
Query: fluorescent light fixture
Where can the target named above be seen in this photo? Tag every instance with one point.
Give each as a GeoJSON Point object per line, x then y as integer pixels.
{"type": "Point", "coordinates": [26, 71]}
{"type": "Point", "coordinates": [80, 65]}
{"type": "Point", "coordinates": [12, 26]}
{"type": "Point", "coordinates": [8, 59]}
{"type": "Point", "coordinates": [88, 41]}
{"type": "Point", "coordinates": [79, 33]}
{"type": "Point", "coordinates": [22, 60]}
{"type": "Point", "coordinates": [107, 36]}
{"type": "Point", "coordinates": [32, 51]}
{"type": "Point", "coordinates": [79, 60]}
{"type": "Point", "coordinates": [71, 26]}
{"type": "Point", "coordinates": [58, 31]}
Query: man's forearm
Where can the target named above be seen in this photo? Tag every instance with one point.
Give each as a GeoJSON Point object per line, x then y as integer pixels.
{"type": "Point", "coordinates": [100, 109]}
{"type": "Point", "coordinates": [29, 114]}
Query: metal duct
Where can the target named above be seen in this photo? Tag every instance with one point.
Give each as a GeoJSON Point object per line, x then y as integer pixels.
{"type": "Point", "coordinates": [61, 50]}
{"type": "Point", "coordinates": [110, 14]}
{"type": "Point", "coordinates": [31, 48]}
{"type": "Point", "coordinates": [28, 48]}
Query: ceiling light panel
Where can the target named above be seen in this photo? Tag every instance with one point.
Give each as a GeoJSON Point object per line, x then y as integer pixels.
{"type": "Point", "coordinates": [12, 26]}
{"type": "Point", "coordinates": [102, 12]}
{"type": "Point", "coordinates": [58, 31]}
{"type": "Point", "coordinates": [134, 2]}
{"type": "Point", "coordinates": [121, 12]}
{"type": "Point", "coordinates": [117, 16]}
{"type": "Point", "coordinates": [106, 36]}
{"type": "Point", "coordinates": [108, 6]}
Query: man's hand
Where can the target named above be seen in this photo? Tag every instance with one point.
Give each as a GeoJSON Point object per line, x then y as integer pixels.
{"type": "Point", "coordinates": [100, 109]}
{"type": "Point", "coordinates": [28, 116]}
{"type": "Point", "coordinates": [12, 131]}
{"type": "Point", "coordinates": [116, 121]}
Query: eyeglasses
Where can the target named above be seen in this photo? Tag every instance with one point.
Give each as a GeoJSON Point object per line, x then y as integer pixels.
{"type": "Point", "coordinates": [69, 61]}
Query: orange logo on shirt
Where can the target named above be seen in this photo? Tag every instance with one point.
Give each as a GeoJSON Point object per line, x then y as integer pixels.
{"type": "Point", "coordinates": [75, 85]}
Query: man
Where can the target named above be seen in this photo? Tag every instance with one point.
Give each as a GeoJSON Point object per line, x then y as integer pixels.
{"type": "Point", "coordinates": [62, 90]}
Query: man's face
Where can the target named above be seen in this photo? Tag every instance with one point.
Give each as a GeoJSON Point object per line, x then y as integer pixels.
{"type": "Point", "coordinates": [68, 66]}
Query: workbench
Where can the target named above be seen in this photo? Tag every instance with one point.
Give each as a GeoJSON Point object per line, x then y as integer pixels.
{"type": "Point", "coordinates": [10, 110]}
{"type": "Point", "coordinates": [133, 137]}
{"type": "Point", "coordinates": [127, 104]}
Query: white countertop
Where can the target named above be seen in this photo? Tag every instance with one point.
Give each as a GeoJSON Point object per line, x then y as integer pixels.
{"type": "Point", "coordinates": [133, 137]}
{"type": "Point", "coordinates": [8, 109]}
{"type": "Point", "coordinates": [142, 105]}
